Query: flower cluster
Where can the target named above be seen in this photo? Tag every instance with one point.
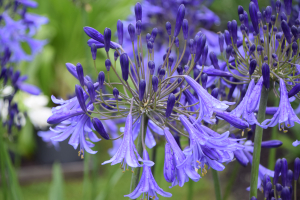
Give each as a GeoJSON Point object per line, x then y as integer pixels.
{"type": "Point", "coordinates": [17, 26]}
{"type": "Point", "coordinates": [179, 98]}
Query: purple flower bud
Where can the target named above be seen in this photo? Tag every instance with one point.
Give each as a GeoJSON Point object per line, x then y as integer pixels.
{"type": "Point", "coordinates": [151, 66]}
{"type": "Point", "coordinates": [240, 10]}
{"type": "Point", "coordinates": [101, 78]}
{"type": "Point", "coordinates": [278, 187]}
{"type": "Point", "coordinates": [191, 46]}
{"type": "Point", "coordinates": [234, 31]}
{"type": "Point", "coordinates": [170, 105]}
{"type": "Point", "coordinates": [259, 49]}
{"type": "Point", "coordinates": [179, 19]}
{"type": "Point", "coordinates": [283, 17]}
{"type": "Point", "coordinates": [290, 177]}
{"type": "Point", "coordinates": [169, 28]}
{"type": "Point", "coordinates": [80, 74]}
{"type": "Point", "coordinates": [215, 92]}
{"type": "Point", "coordinates": [154, 33]}
{"type": "Point", "coordinates": [284, 170]}
{"type": "Point", "coordinates": [116, 93]}
{"type": "Point", "coordinates": [124, 62]}
{"type": "Point", "coordinates": [294, 32]}
{"type": "Point", "coordinates": [176, 42]}
{"type": "Point", "coordinates": [15, 77]}
{"type": "Point", "coordinates": [116, 55]}
{"type": "Point", "coordinates": [162, 73]}
{"type": "Point", "coordinates": [278, 6]}
{"type": "Point", "coordinates": [204, 54]}
{"type": "Point", "coordinates": [273, 19]}
{"type": "Point", "coordinates": [150, 46]}
{"type": "Point", "coordinates": [204, 80]}
{"type": "Point", "coordinates": [287, 31]}
{"type": "Point", "coordinates": [131, 31]}
{"type": "Point", "coordinates": [196, 73]}
{"type": "Point", "coordinates": [148, 36]}
{"type": "Point", "coordinates": [253, 198]}
{"type": "Point", "coordinates": [138, 27]}
{"type": "Point", "coordinates": [185, 29]}
{"type": "Point", "coordinates": [100, 128]}
{"type": "Point", "coordinates": [271, 144]}
{"type": "Point", "coordinates": [221, 42]}
{"type": "Point", "coordinates": [171, 60]}
{"type": "Point", "coordinates": [107, 38]}
{"type": "Point", "coordinates": [288, 6]}
{"type": "Point", "coordinates": [294, 47]}
{"type": "Point", "coordinates": [227, 37]}
{"type": "Point", "coordinates": [294, 90]}
{"type": "Point", "coordinates": [228, 51]}
{"type": "Point", "coordinates": [142, 87]}
{"type": "Point", "coordinates": [278, 36]}
{"type": "Point", "coordinates": [297, 22]}
{"type": "Point", "coordinates": [80, 98]}
{"type": "Point", "coordinates": [285, 194]}
{"type": "Point", "coordinates": [186, 68]}
{"type": "Point", "coordinates": [154, 83]}
{"type": "Point", "coordinates": [94, 51]}
{"type": "Point", "coordinates": [91, 91]}
{"type": "Point", "coordinates": [199, 48]}
{"type": "Point", "coordinates": [214, 60]}
{"type": "Point", "coordinates": [275, 29]}
{"type": "Point", "coordinates": [296, 169]}
{"type": "Point", "coordinates": [259, 16]}
{"type": "Point", "coordinates": [3, 72]}
{"type": "Point", "coordinates": [107, 64]}
{"type": "Point", "coordinates": [266, 75]}
{"type": "Point", "coordinates": [253, 15]}
{"type": "Point", "coordinates": [268, 189]}
{"type": "Point", "coordinates": [256, 3]}
{"type": "Point", "coordinates": [268, 14]}
{"type": "Point", "coordinates": [242, 18]}
{"type": "Point", "coordinates": [180, 70]}
{"type": "Point", "coordinates": [138, 11]}
{"type": "Point", "coordinates": [229, 28]}
{"type": "Point", "coordinates": [252, 66]}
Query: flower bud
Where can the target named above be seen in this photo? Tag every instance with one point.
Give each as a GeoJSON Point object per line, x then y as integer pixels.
{"type": "Point", "coordinates": [151, 66]}
{"type": "Point", "coordinates": [191, 46]}
{"type": "Point", "coordinates": [107, 64]}
{"type": "Point", "coordinates": [284, 170]}
{"type": "Point", "coordinates": [266, 75]}
{"type": "Point", "coordinates": [228, 51]}
{"type": "Point", "coordinates": [204, 80]}
{"type": "Point", "coordinates": [297, 22]}
{"type": "Point", "coordinates": [185, 29]}
{"type": "Point", "coordinates": [240, 10]}
{"type": "Point", "coordinates": [267, 189]}
{"type": "Point", "coordinates": [288, 6]}
{"type": "Point", "coordinates": [283, 17]}
{"type": "Point", "coordinates": [259, 16]}
{"type": "Point", "coordinates": [229, 28]}
{"type": "Point", "coordinates": [268, 14]}
{"type": "Point", "coordinates": [170, 105]}
{"type": "Point", "coordinates": [252, 66]}
{"type": "Point", "coordinates": [162, 73]}
{"type": "Point", "coordinates": [116, 93]}
{"type": "Point", "coordinates": [273, 19]}
{"type": "Point", "coordinates": [154, 33]}
{"type": "Point", "coordinates": [234, 31]}
{"type": "Point", "coordinates": [131, 31]}
{"type": "Point", "coordinates": [180, 70]}
{"type": "Point", "coordinates": [290, 177]}
{"type": "Point", "coordinates": [15, 77]}
{"type": "Point", "coordinates": [253, 15]}
{"type": "Point", "coordinates": [287, 31]}
{"type": "Point", "coordinates": [107, 38]}
{"type": "Point", "coordinates": [214, 60]}
{"type": "Point", "coordinates": [199, 48]}
{"type": "Point", "coordinates": [154, 83]}
{"type": "Point", "coordinates": [242, 18]}
{"type": "Point", "coordinates": [179, 19]}
{"type": "Point", "coordinates": [101, 78]}
{"type": "Point", "coordinates": [221, 42]}
{"type": "Point", "coordinates": [176, 42]}
{"type": "Point", "coordinates": [285, 194]}
{"type": "Point", "coordinates": [124, 62]}
{"type": "Point", "coordinates": [253, 198]}
{"type": "Point", "coordinates": [294, 32]}
{"type": "Point", "coordinates": [80, 98]}
{"type": "Point", "coordinates": [196, 73]}
{"type": "Point", "coordinates": [138, 11]}
{"type": "Point", "coordinates": [259, 49]}
{"type": "Point", "coordinates": [94, 51]}
{"type": "Point", "coordinates": [295, 48]}
{"type": "Point", "coordinates": [215, 93]}
{"type": "Point", "coordinates": [278, 187]}
{"type": "Point", "coordinates": [150, 46]}
{"type": "Point", "coordinates": [138, 27]}
{"type": "Point", "coordinates": [142, 87]}
{"type": "Point", "coordinates": [80, 74]}
{"type": "Point", "coordinates": [169, 28]}
{"type": "Point", "coordinates": [296, 169]}
{"type": "Point", "coordinates": [186, 68]}
{"type": "Point", "coordinates": [171, 60]}
{"type": "Point", "coordinates": [91, 91]}
{"type": "Point", "coordinates": [294, 90]}
{"type": "Point", "coordinates": [204, 54]}
{"type": "Point", "coordinates": [116, 55]}
{"type": "Point", "coordinates": [100, 128]}
{"type": "Point", "coordinates": [271, 144]}
{"type": "Point", "coordinates": [148, 36]}
{"type": "Point", "coordinates": [278, 6]}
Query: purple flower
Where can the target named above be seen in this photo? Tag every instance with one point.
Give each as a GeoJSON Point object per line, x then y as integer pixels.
{"type": "Point", "coordinates": [296, 143]}
{"type": "Point", "coordinates": [147, 182]}
{"type": "Point", "coordinates": [285, 114]}
{"type": "Point", "coordinates": [46, 137]}
{"type": "Point", "coordinates": [253, 100]}
{"type": "Point", "coordinates": [127, 153]}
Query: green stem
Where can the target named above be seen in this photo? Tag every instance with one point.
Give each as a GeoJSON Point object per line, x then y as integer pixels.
{"type": "Point", "coordinates": [295, 189]}
{"type": "Point", "coordinates": [136, 172]}
{"type": "Point", "coordinates": [232, 179]}
{"type": "Point", "coordinates": [257, 142]}
{"type": "Point", "coordinates": [272, 153]}
{"type": "Point", "coordinates": [154, 151]}
{"type": "Point", "coordinates": [86, 178]}
{"type": "Point", "coordinates": [2, 160]}
{"type": "Point", "coordinates": [217, 184]}
{"type": "Point", "coordinates": [190, 190]}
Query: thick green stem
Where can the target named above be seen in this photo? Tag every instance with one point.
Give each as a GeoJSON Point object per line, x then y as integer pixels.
{"type": "Point", "coordinates": [2, 167]}
{"type": "Point", "coordinates": [190, 190]}
{"type": "Point", "coordinates": [257, 142]}
{"type": "Point", "coordinates": [136, 172]}
{"type": "Point", "coordinates": [217, 184]}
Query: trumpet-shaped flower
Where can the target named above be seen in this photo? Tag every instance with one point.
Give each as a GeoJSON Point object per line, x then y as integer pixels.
{"type": "Point", "coordinates": [285, 114]}
{"type": "Point", "coordinates": [147, 182]}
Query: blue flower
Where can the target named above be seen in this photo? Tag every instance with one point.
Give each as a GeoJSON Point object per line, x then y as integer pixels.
{"type": "Point", "coordinates": [147, 183]}
{"type": "Point", "coordinates": [285, 115]}
{"type": "Point", "coordinates": [46, 137]}
{"type": "Point", "coordinates": [184, 169]}
{"type": "Point", "coordinates": [254, 98]}
{"type": "Point", "coordinates": [127, 153]}
{"type": "Point", "coordinates": [296, 143]}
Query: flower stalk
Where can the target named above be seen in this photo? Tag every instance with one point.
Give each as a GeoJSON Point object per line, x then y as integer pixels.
{"type": "Point", "coordinates": [217, 185]}
{"type": "Point", "coordinates": [257, 142]}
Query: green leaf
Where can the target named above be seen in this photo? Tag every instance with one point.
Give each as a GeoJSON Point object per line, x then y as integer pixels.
{"type": "Point", "coordinates": [56, 188]}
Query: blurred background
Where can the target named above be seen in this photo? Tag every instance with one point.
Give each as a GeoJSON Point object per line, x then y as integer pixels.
{"type": "Point", "coordinates": [44, 172]}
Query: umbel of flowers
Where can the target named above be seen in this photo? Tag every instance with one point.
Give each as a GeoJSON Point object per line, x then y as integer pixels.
{"type": "Point", "coordinates": [163, 97]}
